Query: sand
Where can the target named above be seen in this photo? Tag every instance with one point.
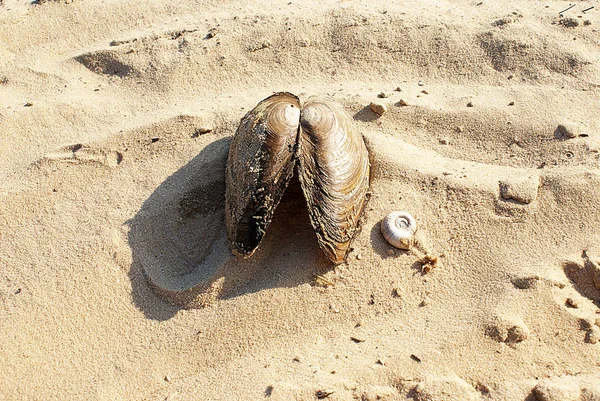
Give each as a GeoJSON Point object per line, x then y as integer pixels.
{"type": "Point", "coordinates": [116, 279]}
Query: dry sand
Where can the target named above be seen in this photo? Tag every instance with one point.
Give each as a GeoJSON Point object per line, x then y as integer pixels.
{"type": "Point", "coordinates": [107, 171]}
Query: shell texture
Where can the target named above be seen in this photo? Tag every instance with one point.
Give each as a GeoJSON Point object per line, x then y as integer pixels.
{"type": "Point", "coordinates": [333, 168]}
{"type": "Point", "coordinates": [398, 228]}
{"type": "Point", "coordinates": [260, 165]}
{"type": "Point", "coordinates": [334, 174]}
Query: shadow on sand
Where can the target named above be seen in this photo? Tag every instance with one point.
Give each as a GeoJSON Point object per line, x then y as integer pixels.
{"type": "Point", "coordinates": [180, 249]}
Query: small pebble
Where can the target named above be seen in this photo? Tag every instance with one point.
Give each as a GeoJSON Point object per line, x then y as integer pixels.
{"type": "Point", "coordinates": [586, 323]}
{"type": "Point", "coordinates": [510, 76]}
{"type": "Point", "coordinates": [507, 329]}
{"type": "Point", "coordinates": [201, 131]}
{"type": "Point", "coordinates": [398, 89]}
{"type": "Point", "coordinates": [154, 139]}
{"type": "Point", "coordinates": [444, 141]}
{"type": "Point", "coordinates": [421, 83]}
{"type": "Point", "coordinates": [517, 334]}
{"type": "Point", "coordinates": [397, 292]}
{"type": "Point", "coordinates": [268, 391]}
{"type": "Point", "coordinates": [511, 104]}
{"type": "Point", "coordinates": [212, 32]}
{"type": "Point", "coordinates": [569, 22]}
{"type": "Point", "coordinates": [470, 104]}
{"type": "Point", "coordinates": [321, 394]}
{"type": "Point", "coordinates": [460, 129]}
{"type": "Point", "coordinates": [569, 130]}
{"type": "Point", "coordinates": [593, 335]}
{"type": "Point", "coordinates": [378, 108]}
{"type": "Point", "coordinates": [168, 379]}
{"type": "Point", "coordinates": [587, 22]}
{"type": "Point", "coordinates": [572, 303]}
{"type": "Point", "coordinates": [28, 104]}
{"type": "Point", "coordinates": [383, 95]}
{"type": "Point", "coordinates": [402, 102]}
{"type": "Point", "coordinates": [425, 92]}
{"type": "Point", "coordinates": [359, 256]}
{"type": "Point", "coordinates": [522, 188]}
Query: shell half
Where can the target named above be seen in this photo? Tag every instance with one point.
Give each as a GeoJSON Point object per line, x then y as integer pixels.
{"type": "Point", "coordinates": [260, 165]}
{"type": "Point", "coordinates": [333, 166]}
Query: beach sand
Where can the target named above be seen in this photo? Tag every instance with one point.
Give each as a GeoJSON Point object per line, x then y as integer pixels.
{"type": "Point", "coordinates": [116, 279]}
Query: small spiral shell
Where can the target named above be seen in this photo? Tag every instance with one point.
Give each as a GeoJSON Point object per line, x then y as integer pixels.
{"type": "Point", "coordinates": [398, 228]}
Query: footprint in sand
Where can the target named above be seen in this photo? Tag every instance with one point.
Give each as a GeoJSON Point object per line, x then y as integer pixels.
{"type": "Point", "coordinates": [79, 153]}
{"type": "Point", "coordinates": [584, 301]}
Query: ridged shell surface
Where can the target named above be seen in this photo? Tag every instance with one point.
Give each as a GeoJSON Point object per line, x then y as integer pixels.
{"type": "Point", "coordinates": [398, 229]}
{"type": "Point", "coordinates": [334, 174]}
{"type": "Point", "coordinates": [260, 165]}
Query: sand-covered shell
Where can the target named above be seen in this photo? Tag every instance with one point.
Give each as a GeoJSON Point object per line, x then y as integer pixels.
{"type": "Point", "coordinates": [398, 228]}
{"type": "Point", "coordinates": [333, 167]}
{"type": "Point", "coordinates": [260, 165]}
{"type": "Point", "coordinates": [334, 174]}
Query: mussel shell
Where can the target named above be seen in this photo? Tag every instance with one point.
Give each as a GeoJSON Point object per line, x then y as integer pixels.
{"type": "Point", "coordinates": [260, 165]}
{"type": "Point", "coordinates": [333, 166]}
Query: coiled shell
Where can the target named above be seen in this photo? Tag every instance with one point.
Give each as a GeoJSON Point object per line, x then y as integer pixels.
{"type": "Point", "coordinates": [398, 228]}
{"type": "Point", "coordinates": [333, 167]}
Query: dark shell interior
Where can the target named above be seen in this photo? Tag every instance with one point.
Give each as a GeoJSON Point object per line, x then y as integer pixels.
{"type": "Point", "coordinates": [259, 167]}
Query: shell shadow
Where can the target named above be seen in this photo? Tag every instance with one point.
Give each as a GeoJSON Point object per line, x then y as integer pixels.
{"type": "Point", "coordinates": [366, 115]}
{"type": "Point", "coordinates": [378, 243]}
{"type": "Point", "coordinates": [181, 256]}
{"type": "Point", "coordinates": [381, 246]}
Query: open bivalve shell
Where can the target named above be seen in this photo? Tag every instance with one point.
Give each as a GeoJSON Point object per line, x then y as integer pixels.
{"type": "Point", "coordinates": [333, 168]}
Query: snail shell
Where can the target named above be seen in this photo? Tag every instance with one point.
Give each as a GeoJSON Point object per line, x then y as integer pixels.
{"type": "Point", "coordinates": [333, 167]}
{"type": "Point", "coordinates": [398, 228]}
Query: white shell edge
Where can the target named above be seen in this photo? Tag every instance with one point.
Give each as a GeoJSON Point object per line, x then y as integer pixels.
{"type": "Point", "coordinates": [396, 236]}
